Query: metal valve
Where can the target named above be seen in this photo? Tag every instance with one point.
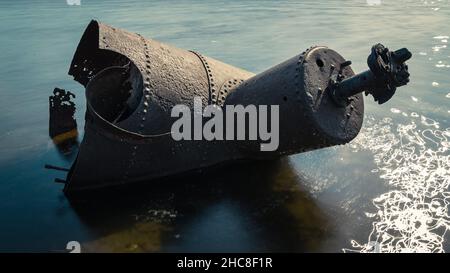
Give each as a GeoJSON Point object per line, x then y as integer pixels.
{"type": "Point", "coordinates": [387, 71]}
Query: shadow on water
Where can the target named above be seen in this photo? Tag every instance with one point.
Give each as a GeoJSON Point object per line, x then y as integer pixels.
{"type": "Point", "coordinates": [244, 207]}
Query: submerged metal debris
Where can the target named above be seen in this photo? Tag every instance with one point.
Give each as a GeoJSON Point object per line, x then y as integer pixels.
{"type": "Point", "coordinates": [62, 124]}
{"type": "Point", "coordinates": [132, 83]}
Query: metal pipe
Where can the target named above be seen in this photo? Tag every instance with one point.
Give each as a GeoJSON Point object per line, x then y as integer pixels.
{"type": "Point", "coordinates": [354, 85]}
{"type": "Point", "coordinates": [51, 167]}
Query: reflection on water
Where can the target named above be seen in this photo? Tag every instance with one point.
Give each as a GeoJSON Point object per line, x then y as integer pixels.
{"type": "Point", "coordinates": [263, 210]}
{"type": "Point", "coordinates": [389, 188]}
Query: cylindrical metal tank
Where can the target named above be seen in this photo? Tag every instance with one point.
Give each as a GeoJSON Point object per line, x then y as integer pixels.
{"type": "Point", "coordinates": [308, 117]}
{"type": "Point", "coordinates": [132, 84]}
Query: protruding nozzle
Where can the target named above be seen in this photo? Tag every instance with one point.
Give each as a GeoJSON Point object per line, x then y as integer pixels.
{"type": "Point", "coordinates": [388, 71]}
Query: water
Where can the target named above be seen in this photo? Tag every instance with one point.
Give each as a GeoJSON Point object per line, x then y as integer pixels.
{"type": "Point", "coordinates": [388, 190]}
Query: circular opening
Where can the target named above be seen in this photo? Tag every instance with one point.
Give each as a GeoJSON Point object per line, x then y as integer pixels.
{"type": "Point", "coordinates": [319, 63]}
{"type": "Point", "coordinates": [114, 93]}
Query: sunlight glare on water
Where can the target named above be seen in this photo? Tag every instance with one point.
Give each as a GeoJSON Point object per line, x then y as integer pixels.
{"type": "Point", "coordinates": [414, 160]}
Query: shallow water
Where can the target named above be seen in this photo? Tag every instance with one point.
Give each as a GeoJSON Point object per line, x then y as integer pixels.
{"type": "Point", "coordinates": [388, 190]}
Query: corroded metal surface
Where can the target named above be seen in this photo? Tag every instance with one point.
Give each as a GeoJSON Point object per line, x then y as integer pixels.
{"type": "Point", "coordinates": [388, 71]}
{"type": "Point", "coordinates": [168, 75]}
{"type": "Point", "coordinates": [132, 84]}
{"type": "Point", "coordinates": [62, 124]}
{"type": "Point", "coordinates": [138, 145]}
{"type": "Point", "coordinates": [308, 118]}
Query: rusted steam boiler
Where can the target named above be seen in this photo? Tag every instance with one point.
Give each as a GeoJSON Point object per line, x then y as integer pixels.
{"type": "Point", "coordinates": [132, 84]}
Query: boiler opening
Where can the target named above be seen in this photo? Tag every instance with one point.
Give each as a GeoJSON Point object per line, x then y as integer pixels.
{"type": "Point", "coordinates": [115, 92]}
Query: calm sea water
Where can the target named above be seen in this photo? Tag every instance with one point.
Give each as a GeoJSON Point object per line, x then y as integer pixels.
{"type": "Point", "coordinates": [389, 188]}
